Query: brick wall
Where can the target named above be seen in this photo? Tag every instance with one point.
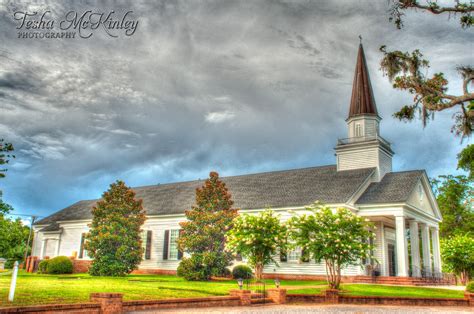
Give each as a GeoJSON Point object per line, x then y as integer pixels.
{"type": "Point", "coordinates": [154, 272]}
{"type": "Point", "coordinates": [80, 266]}
{"type": "Point", "coordinates": [129, 306]}
{"type": "Point", "coordinates": [108, 303]}
{"type": "Point", "coordinates": [375, 300]}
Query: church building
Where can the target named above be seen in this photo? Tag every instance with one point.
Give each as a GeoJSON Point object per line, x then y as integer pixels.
{"type": "Point", "coordinates": [400, 204]}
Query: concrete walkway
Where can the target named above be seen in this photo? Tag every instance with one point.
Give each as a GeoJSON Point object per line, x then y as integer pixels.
{"type": "Point", "coordinates": [323, 308]}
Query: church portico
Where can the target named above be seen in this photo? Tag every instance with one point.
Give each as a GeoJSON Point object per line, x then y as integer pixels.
{"type": "Point", "coordinates": [405, 245]}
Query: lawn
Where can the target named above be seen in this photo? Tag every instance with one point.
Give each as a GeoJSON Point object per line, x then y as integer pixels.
{"type": "Point", "coordinates": [46, 289]}
{"type": "Point", "coordinates": [383, 290]}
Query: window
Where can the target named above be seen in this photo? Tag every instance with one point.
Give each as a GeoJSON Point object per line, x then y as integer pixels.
{"type": "Point", "coordinates": [294, 255]}
{"type": "Point", "coordinates": [358, 130]}
{"type": "Point", "coordinates": [173, 245]}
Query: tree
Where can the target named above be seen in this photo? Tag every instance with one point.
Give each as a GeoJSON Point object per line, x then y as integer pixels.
{"type": "Point", "coordinates": [455, 196]}
{"type": "Point", "coordinates": [114, 240]}
{"type": "Point", "coordinates": [406, 71]}
{"type": "Point", "coordinates": [458, 255]}
{"type": "Point", "coordinates": [464, 9]}
{"type": "Point", "coordinates": [5, 155]}
{"type": "Point", "coordinates": [257, 238]}
{"type": "Point", "coordinates": [203, 234]}
{"type": "Point", "coordinates": [339, 238]}
{"type": "Point", "coordinates": [13, 235]}
{"type": "Point", "coordinates": [466, 160]}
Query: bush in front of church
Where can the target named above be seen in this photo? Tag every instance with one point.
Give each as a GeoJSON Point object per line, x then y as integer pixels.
{"type": "Point", "coordinates": [59, 265]}
{"type": "Point", "coordinates": [202, 266]}
{"type": "Point", "coordinates": [242, 271]}
{"type": "Point", "coordinates": [43, 266]}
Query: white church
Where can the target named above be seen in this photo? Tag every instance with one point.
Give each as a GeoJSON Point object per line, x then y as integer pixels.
{"type": "Point", "coordinates": [401, 205]}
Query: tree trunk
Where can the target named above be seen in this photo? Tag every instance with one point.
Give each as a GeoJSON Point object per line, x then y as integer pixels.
{"type": "Point", "coordinates": [258, 271]}
{"type": "Point", "coordinates": [338, 277]}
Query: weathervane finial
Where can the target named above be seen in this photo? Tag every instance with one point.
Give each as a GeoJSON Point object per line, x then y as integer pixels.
{"type": "Point", "coordinates": [360, 39]}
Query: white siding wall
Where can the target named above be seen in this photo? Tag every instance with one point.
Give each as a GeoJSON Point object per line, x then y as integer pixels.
{"type": "Point", "coordinates": [369, 126]}
{"type": "Point", "coordinates": [71, 239]}
{"type": "Point", "coordinates": [158, 227]}
{"type": "Point", "coordinates": [36, 249]}
{"type": "Point", "coordinates": [385, 163]}
{"type": "Point", "coordinates": [310, 268]}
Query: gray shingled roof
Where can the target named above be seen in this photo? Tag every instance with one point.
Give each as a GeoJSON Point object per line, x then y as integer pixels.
{"type": "Point", "coordinates": [276, 189]}
{"type": "Point", "coordinates": [51, 227]}
{"type": "Point", "coordinates": [395, 187]}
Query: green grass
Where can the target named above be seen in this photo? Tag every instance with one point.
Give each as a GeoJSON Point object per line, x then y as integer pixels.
{"type": "Point", "coordinates": [47, 289]}
{"type": "Point", "coordinates": [33, 289]}
{"type": "Point", "coordinates": [394, 291]}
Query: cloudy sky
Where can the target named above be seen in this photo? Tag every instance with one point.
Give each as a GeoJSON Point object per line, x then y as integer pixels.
{"type": "Point", "coordinates": [236, 87]}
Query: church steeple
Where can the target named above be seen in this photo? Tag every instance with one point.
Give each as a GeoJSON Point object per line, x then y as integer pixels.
{"type": "Point", "coordinates": [364, 147]}
{"type": "Point", "coordinates": [362, 99]}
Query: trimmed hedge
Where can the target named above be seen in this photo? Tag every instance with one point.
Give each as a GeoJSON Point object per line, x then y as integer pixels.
{"type": "Point", "coordinates": [43, 266]}
{"type": "Point", "coordinates": [59, 265]}
{"type": "Point", "coordinates": [470, 287]}
{"type": "Point", "coordinates": [242, 271]}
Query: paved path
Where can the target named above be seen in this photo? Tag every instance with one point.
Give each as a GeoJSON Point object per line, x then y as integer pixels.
{"type": "Point", "coordinates": [303, 309]}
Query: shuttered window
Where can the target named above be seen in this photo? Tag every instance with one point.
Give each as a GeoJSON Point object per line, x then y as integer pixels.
{"type": "Point", "coordinates": [170, 245]}
{"type": "Point", "coordinates": [173, 246]}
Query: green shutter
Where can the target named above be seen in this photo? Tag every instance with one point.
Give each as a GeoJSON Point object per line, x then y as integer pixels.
{"type": "Point", "coordinates": [148, 245]}
{"type": "Point", "coordinates": [81, 248]}
{"type": "Point", "coordinates": [166, 244]}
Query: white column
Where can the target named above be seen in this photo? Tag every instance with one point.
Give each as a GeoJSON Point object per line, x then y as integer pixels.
{"type": "Point", "coordinates": [436, 251]}
{"type": "Point", "coordinates": [415, 248]}
{"type": "Point", "coordinates": [43, 247]}
{"type": "Point", "coordinates": [402, 270]}
{"type": "Point", "coordinates": [383, 251]}
{"type": "Point", "coordinates": [425, 243]}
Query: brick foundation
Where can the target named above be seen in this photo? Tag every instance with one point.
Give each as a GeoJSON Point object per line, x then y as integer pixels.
{"type": "Point", "coordinates": [245, 296]}
{"type": "Point", "coordinates": [80, 266]}
{"type": "Point", "coordinates": [470, 297]}
{"type": "Point", "coordinates": [154, 272]}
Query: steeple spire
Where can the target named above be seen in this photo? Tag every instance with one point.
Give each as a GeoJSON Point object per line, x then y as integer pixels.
{"type": "Point", "coordinates": [362, 99]}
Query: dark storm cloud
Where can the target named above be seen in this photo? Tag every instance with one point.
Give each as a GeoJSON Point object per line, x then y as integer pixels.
{"type": "Point", "coordinates": [234, 86]}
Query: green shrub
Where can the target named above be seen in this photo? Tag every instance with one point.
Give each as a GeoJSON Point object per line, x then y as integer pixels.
{"type": "Point", "coordinates": [59, 265]}
{"type": "Point", "coordinates": [9, 264]}
{"type": "Point", "coordinates": [193, 268]}
{"type": "Point", "coordinates": [470, 287]}
{"type": "Point", "coordinates": [242, 271]}
{"type": "Point", "coordinates": [43, 266]}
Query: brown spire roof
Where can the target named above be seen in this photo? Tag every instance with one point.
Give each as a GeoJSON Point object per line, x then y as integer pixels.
{"type": "Point", "coordinates": [362, 99]}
